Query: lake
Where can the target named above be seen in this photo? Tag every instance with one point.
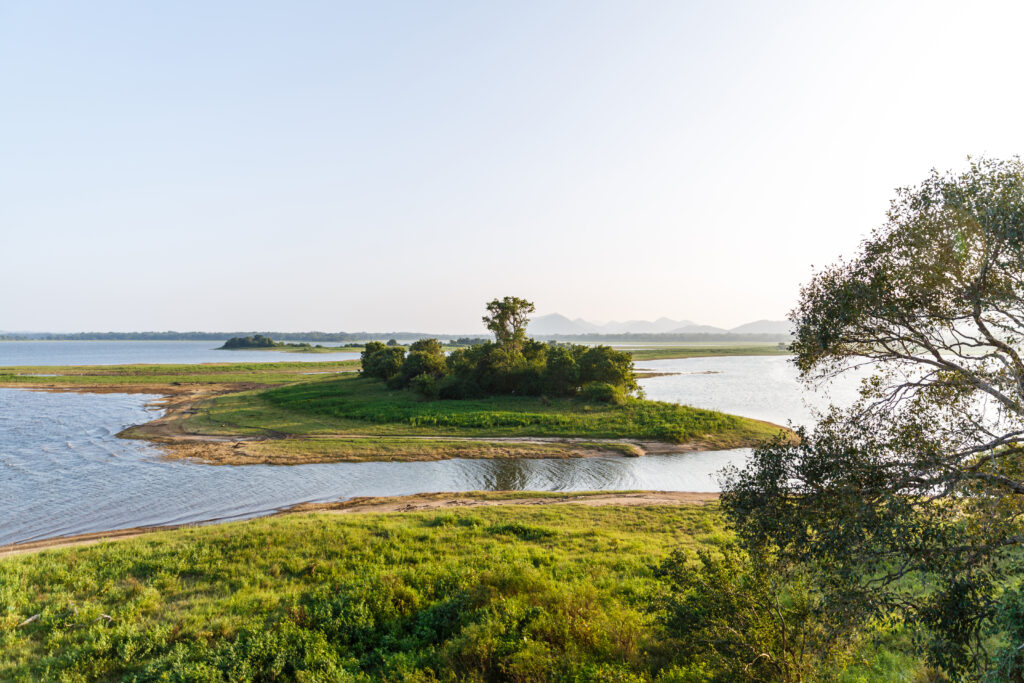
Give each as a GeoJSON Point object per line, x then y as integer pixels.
{"type": "Point", "coordinates": [63, 471]}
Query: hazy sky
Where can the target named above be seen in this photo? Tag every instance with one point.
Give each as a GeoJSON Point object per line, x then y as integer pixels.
{"type": "Point", "coordinates": [388, 165]}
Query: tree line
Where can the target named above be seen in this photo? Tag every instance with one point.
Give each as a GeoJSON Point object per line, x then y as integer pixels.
{"type": "Point", "coordinates": [513, 364]}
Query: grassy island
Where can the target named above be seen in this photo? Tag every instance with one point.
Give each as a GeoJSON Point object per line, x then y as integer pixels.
{"type": "Point", "coordinates": [288, 413]}
{"type": "Point", "coordinates": [514, 397]}
{"type": "Point", "coordinates": [351, 418]}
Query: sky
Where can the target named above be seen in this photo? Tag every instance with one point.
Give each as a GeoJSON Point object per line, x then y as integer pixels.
{"type": "Point", "coordinates": [246, 165]}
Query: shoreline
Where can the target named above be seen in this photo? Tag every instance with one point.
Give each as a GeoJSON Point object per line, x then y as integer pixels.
{"type": "Point", "coordinates": [168, 432]}
{"type": "Point", "coordinates": [418, 502]}
{"type": "Point", "coordinates": [178, 402]}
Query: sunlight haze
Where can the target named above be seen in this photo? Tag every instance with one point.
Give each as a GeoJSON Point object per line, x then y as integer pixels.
{"type": "Point", "coordinates": [392, 166]}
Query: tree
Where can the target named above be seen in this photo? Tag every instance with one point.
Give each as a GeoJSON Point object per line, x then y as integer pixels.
{"type": "Point", "coordinates": [923, 478]}
{"type": "Point", "coordinates": [385, 363]}
{"type": "Point", "coordinates": [425, 360]}
{"type": "Point", "coordinates": [507, 318]}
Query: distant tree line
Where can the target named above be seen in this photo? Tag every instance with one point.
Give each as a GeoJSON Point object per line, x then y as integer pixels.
{"type": "Point", "coordinates": [367, 336]}
{"type": "Point", "coordinates": [670, 337]}
{"type": "Point", "coordinates": [218, 336]}
{"type": "Point", "coordinates": [511, 365]}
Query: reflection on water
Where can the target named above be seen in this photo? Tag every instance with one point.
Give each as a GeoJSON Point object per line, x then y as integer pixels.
{"type": "Point", "coordinates": [63, 471]}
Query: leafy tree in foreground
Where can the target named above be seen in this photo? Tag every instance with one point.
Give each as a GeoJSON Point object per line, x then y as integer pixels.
{"type": "Point", "coordinates": [910, 502]}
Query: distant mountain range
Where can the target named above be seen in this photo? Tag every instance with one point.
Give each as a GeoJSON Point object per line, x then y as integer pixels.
{"type": "Point", "coordinates": [558, 324]}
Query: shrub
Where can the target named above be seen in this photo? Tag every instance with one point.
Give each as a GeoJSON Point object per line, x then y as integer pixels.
{"type": "Point", "coordinates": [385, 362]}
{"type": "Point", "coordinates": [602, 392]}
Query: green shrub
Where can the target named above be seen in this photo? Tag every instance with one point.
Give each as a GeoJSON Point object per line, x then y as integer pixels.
{"type": "Point", "coordinates": [601, 392]}
{"type": "Point", "coordinates": [384, 362]}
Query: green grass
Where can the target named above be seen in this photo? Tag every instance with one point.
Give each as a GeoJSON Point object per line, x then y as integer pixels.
{"type": "Point", "coordinates": [359, 405]}
{"type": "Point", "coordinates": [115, 376]}
{"type": "Point", "coordinates": [520, 593]}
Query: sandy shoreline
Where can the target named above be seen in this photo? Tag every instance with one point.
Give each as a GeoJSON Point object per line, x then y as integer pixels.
{"type": "Point", "coordinates": [178, 440]}
{"type": "Point", "coordinates": [168, 431]}
{"type": "Point", "coordinates": [420, 502]}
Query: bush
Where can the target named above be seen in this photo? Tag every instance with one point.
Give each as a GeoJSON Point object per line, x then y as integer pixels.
{"type": "Point", "coordinates": [602, 392]}
{"type": "Point", "coordinates": [383, 362]}
{"type": "Point", "coordinates": [742, 616]}
{"type": "Point", "coordinates": [425, 385]}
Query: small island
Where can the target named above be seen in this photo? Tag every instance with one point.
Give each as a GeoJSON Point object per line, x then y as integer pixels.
{"type": "Point", "coordinates": [506, 397]}
{"type": "Point", "coordinates": [259, 342]}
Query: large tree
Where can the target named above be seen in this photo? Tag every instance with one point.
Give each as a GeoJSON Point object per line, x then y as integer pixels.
{"type": "Point", "coordinates": [507, 318]}
{"type": "Point", "coordinates": [910, 501]}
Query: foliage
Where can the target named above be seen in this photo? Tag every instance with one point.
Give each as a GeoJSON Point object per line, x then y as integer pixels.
{"type": "Point", "coordinates": [520, 593]}
{"type": "Point", "coordinates": [424, 364]}
{"type": "Point", "coordinates": [257, 341]}
{"type": "Point", "coordinates": [507, 319]}
{"type": "Point", "coordinates": [911, 500]}
{"type": "Point", "coordinates": [601, 392]}
{"type": "Point", "coordinates": [380, 361]}
{"type": "Point", "coordinates": [744, 616]}
{"type": "Point", "coordinates": [362, 405]}
{"type": "Point", "coordinates": [513, 365]}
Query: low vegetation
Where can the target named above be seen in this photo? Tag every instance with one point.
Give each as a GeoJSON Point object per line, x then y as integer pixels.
{"type": "Point", "coordinates": [159, 378]}
{"type": "Point", "coordinates": [259, 342]}
{"type": "Point", "coordinates": [351, 404]}
{"type": "Point", "coordinates": [523, 593]}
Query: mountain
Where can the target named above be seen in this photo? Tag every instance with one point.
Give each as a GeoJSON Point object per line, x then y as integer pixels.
{"type": "Point", "coordinates": [765, 327]}
{"type": "Point", "coordinates": [557, 324]}
{"type": "Point", "coordinates": [693, 328]}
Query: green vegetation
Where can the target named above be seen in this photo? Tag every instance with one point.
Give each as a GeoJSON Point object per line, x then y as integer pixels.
{"type": "Point", "coordinates": [512, 365]}
{"type": "Point", "coordinates": [259, 342]}
{"type": "Point", "coordinates": [362, 405]}
{"type": "Point", "coordinates": [161, 377]}
{"type": "Point", "coordinates": [523, 593]}
{"type": "Point", "coordinates": [909, 504]}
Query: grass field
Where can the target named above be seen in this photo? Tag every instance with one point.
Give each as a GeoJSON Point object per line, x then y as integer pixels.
{"type": "Point", "coordinates": [525, 593]}
{"type": "Point", "coordinates": [359, 405]}
{"type": "Point", "coordinates": [128, 376]}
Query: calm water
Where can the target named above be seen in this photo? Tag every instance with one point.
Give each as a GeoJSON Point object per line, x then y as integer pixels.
{"type": "Point", "coordinates": [125, 352]}
{"type": "Point", "coordinates": [62, 471]}
{"type": "Point", "coordinates": [762, 387]}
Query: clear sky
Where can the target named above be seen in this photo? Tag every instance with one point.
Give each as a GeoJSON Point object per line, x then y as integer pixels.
{"type": "Point", "coordinates": [388, 165]}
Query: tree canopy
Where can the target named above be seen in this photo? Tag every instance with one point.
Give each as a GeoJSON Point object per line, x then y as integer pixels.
{"type": "Point", "coordinates": [513, 364]}
{"type": "Point", "coordinates": [910, 501]}
{"type": "Point", "coordinates": [507, 319]}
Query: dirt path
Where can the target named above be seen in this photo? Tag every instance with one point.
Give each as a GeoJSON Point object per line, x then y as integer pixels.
{"type": "Point", "coordinates": [422, 502]}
